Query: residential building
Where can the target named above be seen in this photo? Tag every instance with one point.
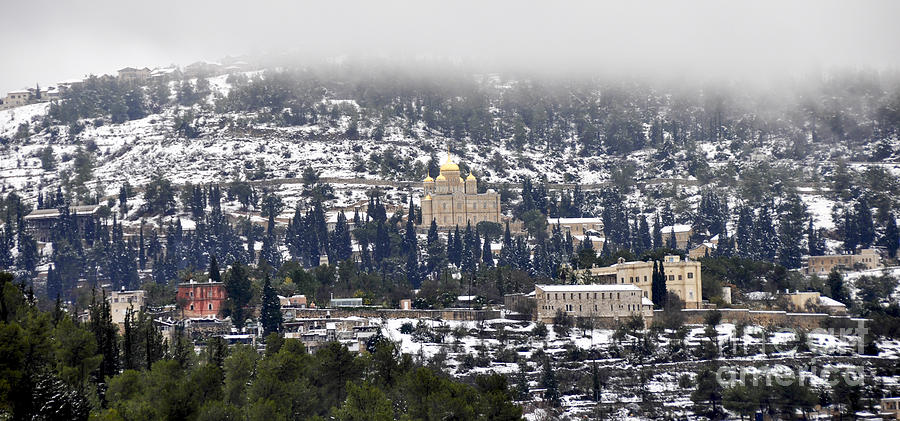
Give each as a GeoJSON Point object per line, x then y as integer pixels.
{"type": "Point", "coordinates": [682, 277]}
{"type": "Point", "coordinates": [201, 299]}
{"type": "Point", "coordinates": [612, 301]}
{"type": "Point", "coordinates": [682, 233]}
{"type": "Point", "coordinates": [814, 301]}
{"type": "Point", "coordinates": [450, 201]}
{"type": "Point", "coordinates": [39, 223]}
{"type": "Point", "coordinates": [865, 259]}
{"type": "Point", "coordinates": [130, 74]}
{"type": "Point", "coordinates": [577, 227]}
{"type": "Point", "coordinates": [121, 301]}
{"type": "Point", "coordinates": [702, 250]}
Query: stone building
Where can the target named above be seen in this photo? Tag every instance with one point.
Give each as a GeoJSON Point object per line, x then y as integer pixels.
{"type": "Point", "coordinates": [612, 302]}
{"type": "Point", "coordinates": [682, 277]}
{"type": "Point", "coordinates": [121, 301]}
{"type": "Point", "coordinates": [201, 299]}
{"type": "Point", "coordinates": [865, 259]}
{"type": "Point", "coordinates": [451, 201]}
{"type": "Point", "coordinates": [130, 74]}
{"type": "Point", "coordinates": [39, 223]}
{"type": "Point", "coordinates": [682, 234]}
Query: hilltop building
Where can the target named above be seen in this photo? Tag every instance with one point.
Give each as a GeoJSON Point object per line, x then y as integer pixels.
{"type": "Point", "coordinates": [130, 74]}
{"type": "Point", "coordinates": [451, 201]}
{"type": "Point", "coordinates": [682, 277]}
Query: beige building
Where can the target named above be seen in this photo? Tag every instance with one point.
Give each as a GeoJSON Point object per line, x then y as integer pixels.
{"type": "Point", "coordinates": [682, 277]}
{"type": "Point", "coordinates": [813, 301]}
{"type": "Point", "coordinates": [682, 233]}
{"type": "Point", "coordinates": [591, 301]}
{"type": "Point", "coordinates": [130, 74]}
{"type": "Point", "coordinates": [866, 259]}
{"type": "Point", "coordinates": [121, 301]}
{"type": "Point", "coordinates": [450, 201]}
{"type": "Point", "coordinates": [576, 226]}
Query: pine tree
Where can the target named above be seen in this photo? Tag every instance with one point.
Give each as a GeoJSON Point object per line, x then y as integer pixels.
{"type": "Point", "coordinates": [270, 313]}
{"type": "Point", "coordinates": [646, 241]}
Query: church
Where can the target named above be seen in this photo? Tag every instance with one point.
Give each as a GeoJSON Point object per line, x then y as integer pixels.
{"type": "Point", "coordinates": [451, 201]}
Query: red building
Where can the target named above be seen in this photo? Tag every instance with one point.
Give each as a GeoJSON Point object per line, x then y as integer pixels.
{"type": "Point", "coordinates": [201, 299]}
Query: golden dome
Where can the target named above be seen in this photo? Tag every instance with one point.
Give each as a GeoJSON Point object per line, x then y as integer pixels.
{"type": "Point", "coordinates": [441, 177]}
{"type": "Point", "coordinates": [429, 179]}
{"type": "Point", "coordinates": [471, 177]}
{"type": "Point", "coordinates": [449, 166]}
{"type": "Point", "coordinates": [427, 197]}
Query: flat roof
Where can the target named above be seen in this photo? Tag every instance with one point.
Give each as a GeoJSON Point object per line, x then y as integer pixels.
{"type": "Point", "coordinates": [54, 213]}
{"type": "Point", "coordinates": [588, 288]}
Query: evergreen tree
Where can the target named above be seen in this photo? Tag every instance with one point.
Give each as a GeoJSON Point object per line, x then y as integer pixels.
{"type": "Point", "coordinates": [837, 291]}
{"type": "Point", "coordinates": [239, 290]}
{"type": "Point", "coordinates": [270, 313]}
{"type": "Point", "coordinates": [104, 331]}
{"type": "Point", "coordinates": [671, 241]}
{"type": "Point", "coordinates": [658, 285]}
{"type": "Point", "coordinates": [849, 230]}
{"type": "Point", "coordinates": [550, 384]}
{"type": "Point", "coordinates": [657, 233]}
{"type": "Point", "coordinates": [487, 255]}
{"type": "Point", "coordinates": [812, 240]}
{"type": "Point", "coordinates": [864, 223]}
{"type": "Point", "coordinates": [890, 240]}
{"type": "Point", "coordinates": [765, 236]}
{"type": "Point", "coordinates": [791, 221]}
{"type": "Point", "coordinates": [433, 233]}
{"type": "Point", "coordinates": [341, 242]}
{"type": "Point", "coordinates": [744, 234]}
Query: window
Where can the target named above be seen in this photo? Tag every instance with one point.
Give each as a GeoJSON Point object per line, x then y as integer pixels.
{"type": "Point", "coordinates": [192, 307]}
{"type": "Point", "coordinates": [690, 275]}
{"type": "Point", "coordinates": [645, 278]}
{"type": "Point", "coordinates": [210, 306]}
{"type": "Point", "coordinates": [192, 295]}
{"type": "Point", "coordinates": [679, 277]}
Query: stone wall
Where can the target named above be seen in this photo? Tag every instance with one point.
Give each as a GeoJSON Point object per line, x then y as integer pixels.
{"type": "Point", "coordinates": [769, 318]}
{"type": "Point", "coordinates": [460, 314]}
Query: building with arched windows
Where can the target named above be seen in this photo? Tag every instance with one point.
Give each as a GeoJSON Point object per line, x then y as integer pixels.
{"type": "Point", "coordinates": [450, 201]}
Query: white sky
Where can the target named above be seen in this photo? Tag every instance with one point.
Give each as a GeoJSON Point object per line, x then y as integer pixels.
{"type": "Point", "coordinates": [46, 41]}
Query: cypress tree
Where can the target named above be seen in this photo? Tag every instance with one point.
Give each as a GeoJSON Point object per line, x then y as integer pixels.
{"type": "Point", "coordinates": [864, 223]}
{"type": "Point", "coordinates": [432, 233]}
{"type": "Point", "coordinates": [891, 238]}
{"type": "Point", "coordinates": [790, 232]}
{"type": "Point", "coordinates": [744, 233]}
{"type": "Point", "coordinates": [487, 255]}
{"type": "Point", "coordinates": [657, 233]}
{"type": "Point", "coordinates": [658, 285]}
{"type": "Point", "coordinates": [270, 313]}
